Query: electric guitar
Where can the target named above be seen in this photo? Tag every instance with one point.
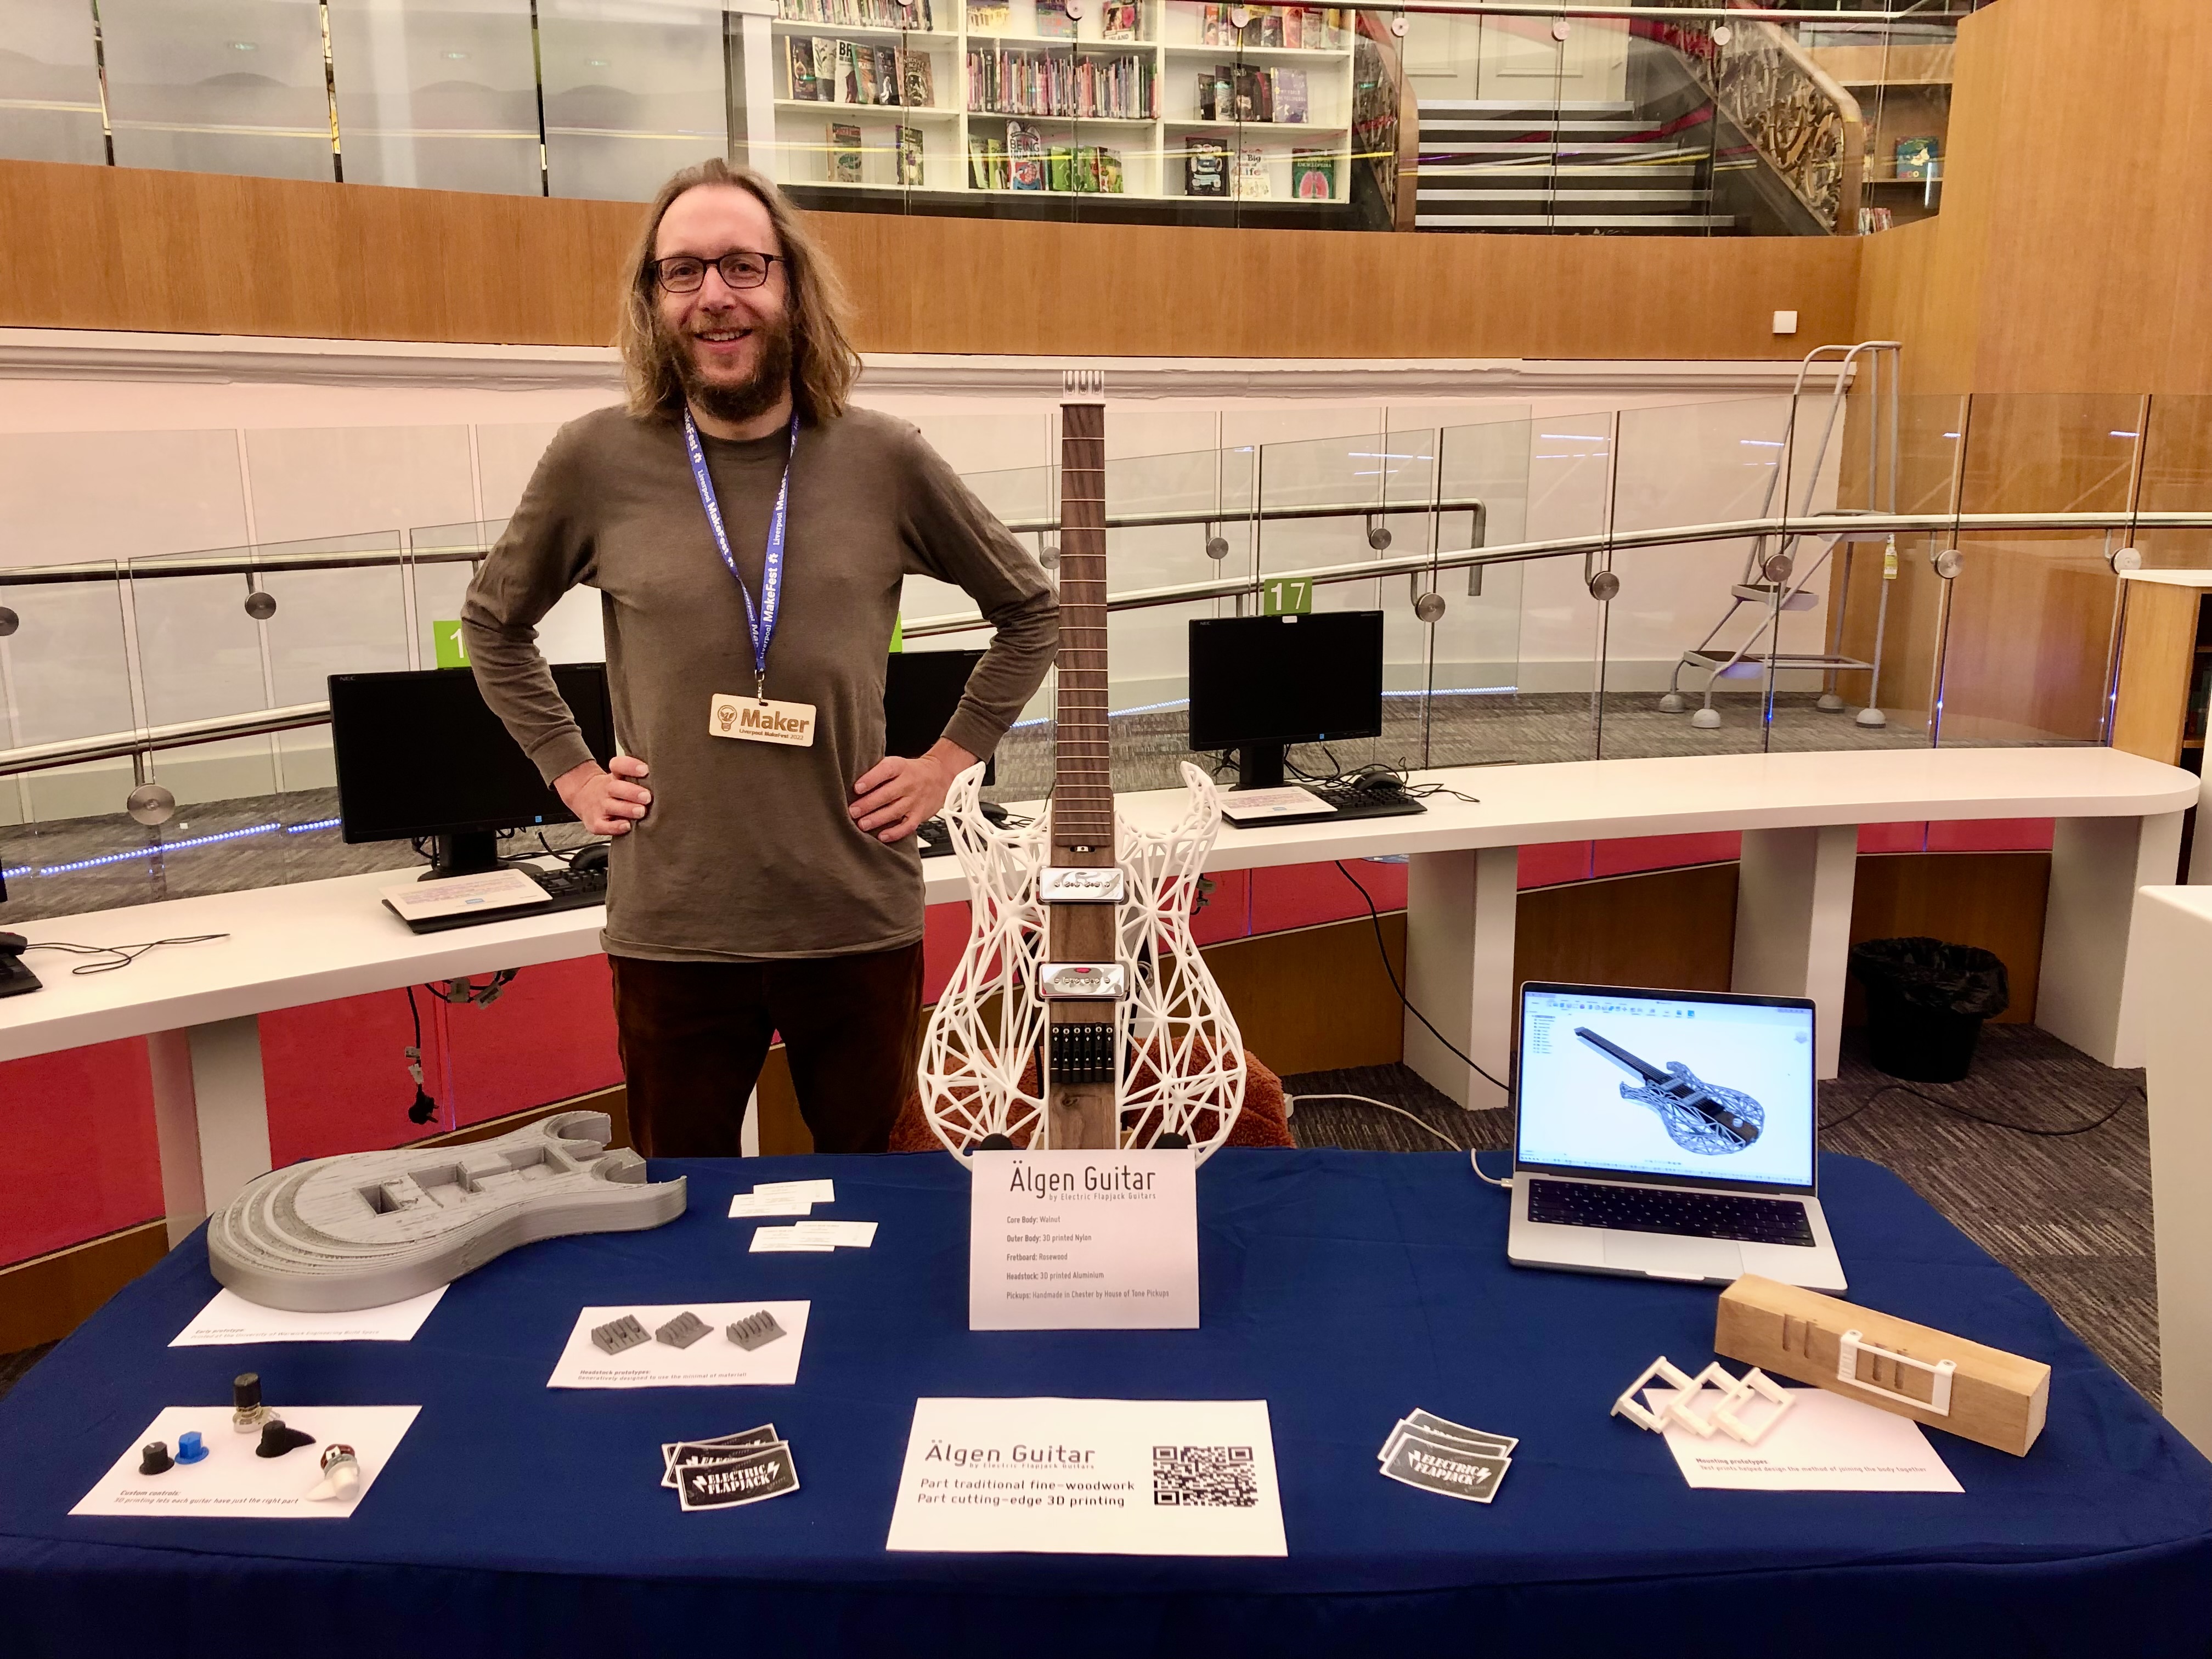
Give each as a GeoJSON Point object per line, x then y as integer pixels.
{"type": "Point", "coordinates": [1081, 1015]}
{"type": "Point", "coordinates": [1700, 1116]}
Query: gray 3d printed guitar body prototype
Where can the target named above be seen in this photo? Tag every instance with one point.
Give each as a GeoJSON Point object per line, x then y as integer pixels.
{"type": "Point", "coordinates": [366, 1228]}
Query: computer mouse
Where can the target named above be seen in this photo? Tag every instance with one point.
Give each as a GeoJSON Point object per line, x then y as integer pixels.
{"type": "Point", "coordinates": [588, 859]}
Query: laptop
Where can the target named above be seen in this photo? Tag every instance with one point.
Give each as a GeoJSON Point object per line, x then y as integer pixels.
{"type": "Point", "coordinates": [1668, 1134]}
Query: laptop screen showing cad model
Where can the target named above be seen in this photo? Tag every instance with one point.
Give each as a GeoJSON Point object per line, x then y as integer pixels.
{"type": "Point", "coordinates": [1670, 1086]}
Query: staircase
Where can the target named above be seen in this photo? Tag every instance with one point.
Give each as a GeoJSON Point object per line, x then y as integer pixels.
{"type": "Point", "coordinates": [1592, 167]}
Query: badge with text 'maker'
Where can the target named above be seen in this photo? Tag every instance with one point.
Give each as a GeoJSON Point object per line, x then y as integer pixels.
{"type": "Point", "coordinates": [756, 719]}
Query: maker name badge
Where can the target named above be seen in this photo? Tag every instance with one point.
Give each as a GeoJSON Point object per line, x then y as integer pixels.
{"type": "Point", "coordinates": [755, 720]}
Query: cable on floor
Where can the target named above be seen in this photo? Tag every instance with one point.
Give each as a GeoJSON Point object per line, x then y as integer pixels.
{"type": "Point", "coordinates": [1375, 917]}
{"type": "Point", "coordinates": [1976, 1117]}
{"type": "Point", "coordinates": [1369, 1100]}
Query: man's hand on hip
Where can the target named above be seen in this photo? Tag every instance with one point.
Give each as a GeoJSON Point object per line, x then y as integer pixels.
{"type": "Point", "coordinates": [896, 796]}
{"type": "Point", "coordinates": [607, 803]}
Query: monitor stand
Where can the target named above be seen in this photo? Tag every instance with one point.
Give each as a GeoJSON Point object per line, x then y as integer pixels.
{"type": "Point", "coordinates": [473, 853]}
{"type": "Point", "coordinates": [1260, 765]}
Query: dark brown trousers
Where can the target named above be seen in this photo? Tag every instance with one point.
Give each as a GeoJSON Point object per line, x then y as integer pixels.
{"type": "Point", "coordinates": [694, 1036]}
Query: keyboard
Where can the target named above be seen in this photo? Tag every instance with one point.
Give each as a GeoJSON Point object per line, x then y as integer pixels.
{"type": "Point", "coordinates": [1664, 1210]}
{"type": "Point", "coordinates": [565, 889]}
{"type": "Point", "coordinates": [1341, 801]}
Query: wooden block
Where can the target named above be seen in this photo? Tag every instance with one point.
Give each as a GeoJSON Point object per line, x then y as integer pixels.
{"type": "Point", "coordinates": [1995, 1397]}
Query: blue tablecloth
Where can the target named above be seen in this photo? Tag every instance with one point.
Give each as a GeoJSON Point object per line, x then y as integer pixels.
{"type": "Point", "coordinates": [1344, 1288]}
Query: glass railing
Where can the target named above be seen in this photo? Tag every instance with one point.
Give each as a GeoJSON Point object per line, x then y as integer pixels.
{"type": "Point", "coordinates": [1440, 115]}
{"type": "Point", "coordinates": [1555, 586]}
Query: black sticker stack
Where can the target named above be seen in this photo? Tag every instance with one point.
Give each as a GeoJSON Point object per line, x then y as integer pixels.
{"type": "Point", "coordinates": [1439, 1456]}
{"type": "Point", "coordinates": [729, 1470]}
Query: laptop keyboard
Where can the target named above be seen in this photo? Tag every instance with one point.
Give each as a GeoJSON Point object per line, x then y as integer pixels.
{"type": "Point", "coordinates": [1662, 1210]}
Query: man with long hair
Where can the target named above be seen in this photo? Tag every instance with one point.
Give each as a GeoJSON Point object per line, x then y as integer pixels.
{"type": "Point", "coordinates": [748, 531]}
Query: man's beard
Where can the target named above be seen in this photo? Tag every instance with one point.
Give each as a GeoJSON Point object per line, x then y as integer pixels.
{"type": "Point", "coordinates": [735, 401]}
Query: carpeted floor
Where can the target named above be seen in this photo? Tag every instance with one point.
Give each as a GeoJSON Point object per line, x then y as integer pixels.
{"type": "Point", "coordinates": [2069, 1213]}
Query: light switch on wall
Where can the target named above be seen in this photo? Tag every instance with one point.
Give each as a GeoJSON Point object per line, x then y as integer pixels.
{"type": "Point", "coordinates": [1785, 322]}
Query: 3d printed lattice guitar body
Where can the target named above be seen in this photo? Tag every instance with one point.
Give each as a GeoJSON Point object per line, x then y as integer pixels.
{"type": "Point", "coordinates": [367, 1228]}
{"type": "Point", "coordinates": [1081, 1015]}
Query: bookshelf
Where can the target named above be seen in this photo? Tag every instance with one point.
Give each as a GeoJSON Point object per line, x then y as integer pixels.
{"type": "Point", "coordinates": [1154, 85]}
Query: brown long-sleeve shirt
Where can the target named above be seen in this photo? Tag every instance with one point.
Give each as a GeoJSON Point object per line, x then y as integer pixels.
{"type": "Point", "coordinates": [747, 851]}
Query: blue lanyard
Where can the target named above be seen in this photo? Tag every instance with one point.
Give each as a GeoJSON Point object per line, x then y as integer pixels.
{"type": "Point", "coordinates": [760, 624]}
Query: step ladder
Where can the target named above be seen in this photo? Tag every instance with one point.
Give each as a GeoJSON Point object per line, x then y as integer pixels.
{"type": "Point", "coordinates": [1770, 585]}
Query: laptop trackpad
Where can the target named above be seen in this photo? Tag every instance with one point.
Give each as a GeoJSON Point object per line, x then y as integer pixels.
{"type": "Point", "coordinates": [1668, 1255]}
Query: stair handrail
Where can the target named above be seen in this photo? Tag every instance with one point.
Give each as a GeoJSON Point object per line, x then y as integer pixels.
{"type": "Point", "coordinates": [1825, 177]}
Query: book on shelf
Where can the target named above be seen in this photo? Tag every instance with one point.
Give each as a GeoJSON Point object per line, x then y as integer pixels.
{"type": "Point", "coordinates": [1214, 28]}
{"type": "Point", "coordinates": [909, 156]}
{"type": "Point", "coordinates": [799, 67]}
{"type": "Point", "coordinates": [886, 67]}
{"type": "Point", "coordinates": [1916, 158]}
{"type": "Point", "coordinates": [1117, 19]}
{"type": "Point", "coordinates": [844, 153]}
{"type": "Point", "coordinates": [1120, 86]}
{"type": "Point", "coordinates": [1313, 175]}
{"type": "Point", "coordinates": [1873, 219]}
{"type": "Point", "coordinates": [1109, 172]}
{"type": "Point", "coordinates": [1059, 168]}
{"type": "Point", "coordinates": [989, 16]}
{"type": "Point", "coordinates": [920, 79]}
{"type": "Point", "coordinates": [1251, 176]}
{"type": "Point", "coordinates": [1025, 157]}
{"type": "Point", "coordinates": [825, 69]}
{"type": "Point", "coordinates": [1053, 21]}
{"type": "Point", "coordinates": [857, 13]}
{"type": "Point", "coordinates": [1205, 166]}
{"type": "Point", "coordinates": [1253, 98]}
{"type": "Point", "coordinates": [1271, 26]}
{"type": "Point", "coordinates": [1287, 93]}
{"type": "Point", "coordinates": [852, 83]}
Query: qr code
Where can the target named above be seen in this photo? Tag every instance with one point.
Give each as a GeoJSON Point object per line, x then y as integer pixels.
{"type": "Point", "coordinates": [1204, 1477]}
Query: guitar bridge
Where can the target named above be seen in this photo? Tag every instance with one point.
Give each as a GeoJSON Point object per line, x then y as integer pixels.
{"type": "Point", "coordinates": [1080, 1054]}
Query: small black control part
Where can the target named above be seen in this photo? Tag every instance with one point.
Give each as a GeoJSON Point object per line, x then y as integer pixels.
{"type": "Point", "coordinates": [1172, 1142]}
{"type": "Point", "coordinates": [995, 1144]}
{"type": "Point", "coordinates": [245, 1392]}
{"type": "Point", "coordinates": [156, 1460]}
{"type": "Point", "coordinates": [277, 1439]}
{"type": "Point", "coordinates": [1081, 1054]}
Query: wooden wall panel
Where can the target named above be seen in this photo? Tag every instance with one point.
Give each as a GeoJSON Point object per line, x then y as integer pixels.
{"type": "Point", "coordinates": [2053, 267]}
{"type": "Point", "coordinates": [1669, 927]}
{"type": "Point", "coordinates": [119, 248]}
{"type": "Point", "coordinates": [2157, 653]}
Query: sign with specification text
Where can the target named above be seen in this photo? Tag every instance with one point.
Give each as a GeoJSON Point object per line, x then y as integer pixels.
{"type": "Point", "coordinates": [1090, 1477]}
{"type": "Point", "coordinates": [1083, 1241]}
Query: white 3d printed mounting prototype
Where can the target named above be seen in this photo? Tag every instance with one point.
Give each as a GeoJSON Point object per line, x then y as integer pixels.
{"type": "Point", "coordinates": [1734, 1393]}
{"type": "Point", "coordinates": [1176, 1042]}
{"type": "Point", "coordinates": [365, 1229]}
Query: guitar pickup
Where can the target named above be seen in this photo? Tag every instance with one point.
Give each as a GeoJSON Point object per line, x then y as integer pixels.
{"type": "Point", "coordinates": [1060, 884]}
{"type": "Point", "coordinates": [1097, 981]}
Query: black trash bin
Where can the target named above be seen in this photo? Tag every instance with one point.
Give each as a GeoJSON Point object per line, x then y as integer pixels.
{"type": "Point", "coordinates": [1926, 1002]}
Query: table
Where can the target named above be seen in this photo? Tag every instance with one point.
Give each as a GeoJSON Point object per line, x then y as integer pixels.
{"type": "Point", "coordinates": [2119, 826]}
{"type": "Point", "coordinates": [1344, 1288]}
{"type": "Point", "coordinates": [2175, 926]}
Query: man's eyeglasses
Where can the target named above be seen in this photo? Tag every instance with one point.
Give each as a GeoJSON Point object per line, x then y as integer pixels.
{"type": "Point", "coordinates": [685, 272]}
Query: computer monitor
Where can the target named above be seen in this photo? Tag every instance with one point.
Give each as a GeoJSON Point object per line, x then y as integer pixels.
{"type": "Point", "coordinates": [1260, 683]}
{"type": "Point", "coordinates": [920, 690]}
{"type": "Point", "coordinates": [422, 755]}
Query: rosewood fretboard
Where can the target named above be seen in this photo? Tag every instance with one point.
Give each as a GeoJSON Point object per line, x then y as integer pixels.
{"type": "Point", "coordinates": [1083, 785]}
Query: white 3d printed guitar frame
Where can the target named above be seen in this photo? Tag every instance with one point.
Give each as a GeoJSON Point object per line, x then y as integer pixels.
{"type": "Point", "coordinates": [1177, 1047]}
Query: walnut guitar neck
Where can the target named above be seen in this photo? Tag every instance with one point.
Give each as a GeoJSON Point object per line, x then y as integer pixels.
{"type": "Point", "coordinates": [1082, 1065]}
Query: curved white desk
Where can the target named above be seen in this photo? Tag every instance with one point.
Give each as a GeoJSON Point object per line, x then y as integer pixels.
{"type": "Point", "coordinates": [2119, 828]}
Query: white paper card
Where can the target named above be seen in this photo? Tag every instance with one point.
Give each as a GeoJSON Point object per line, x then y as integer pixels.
{"type": "Point", "coordinates": [1082, 1241]}
{"type": "Point", "coordinates": [713, 1361]}
{"type": "Point", "coordinates": [816, 1192]}
{"type": "Point", "coordinates": [1258, 806]}
{"type": "Point", "coordinates": [767, 1239]}
{"type": "Point", "coordinates": [1823, 1442]}
{"type": "Point", "coordinates": [1090, 1477]}
{"type": "Point", "coordinates": [494, 890]}
{"type": "Point", "coordinates": [856, 1234]}
{"type": "Point", "coordinates": [230, 1318]}
{"type": "Point", "coordinates": [232, 1481]}
{"type": "Point", "coordinates": [750, 1204]}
